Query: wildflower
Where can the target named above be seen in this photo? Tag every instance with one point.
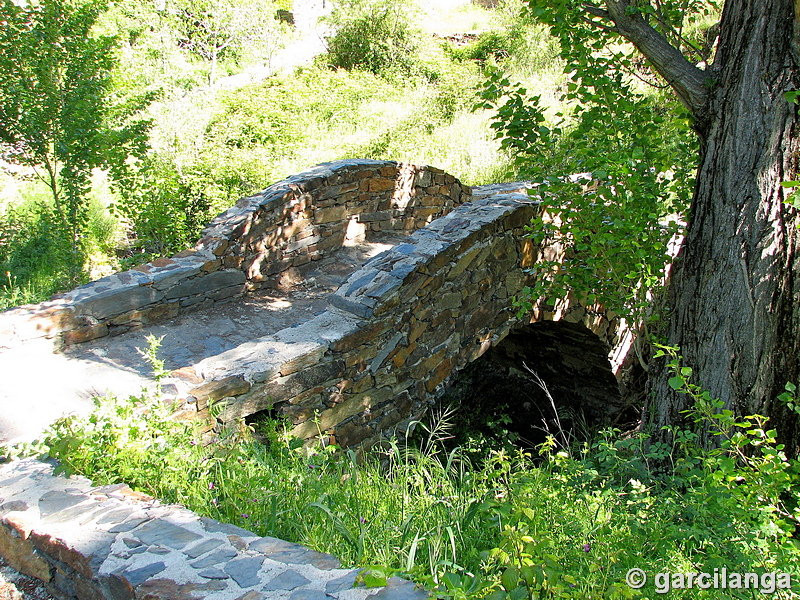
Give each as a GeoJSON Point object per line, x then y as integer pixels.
{"type": "Point", "coordinates": [362, 519]}
{"type": "Point", "coordinates": [211, 485]}
{"type": "Point", "coordinates": [214, 501]}
{"type": "Point", "coordinates": [245, 516]}
{"type": "Point", "coordinates": [586, 547]}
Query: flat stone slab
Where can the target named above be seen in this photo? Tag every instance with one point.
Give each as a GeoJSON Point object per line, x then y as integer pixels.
{"type": "Point", "coordinates": [170, 552]}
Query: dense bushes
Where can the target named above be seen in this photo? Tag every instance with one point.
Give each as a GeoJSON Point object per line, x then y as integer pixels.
{"type": "Point", "coordinates": [374, 36]}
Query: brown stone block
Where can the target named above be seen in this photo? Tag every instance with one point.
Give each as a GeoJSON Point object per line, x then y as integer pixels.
{"type": "Point", "coordinates": [381, 185]}
{"type": "Point", "coordinates": [85, 334]}
{"type": "Point", "coordinates": [61, 551]}
{"type": "Point", "coordinates": [399, 359]}
{"type": "Point", "coordinates": [416, 330]}
{"type": "Point", "coordinates": [426, 366]}
{"type": "Point", "coordinates": [86, 590]}
{"type": "Point", "coordinates": [388, 171]}
{"type": "Point", "coordinates": [361, 336]}
{"type": "Point", "coordinates": [363, 384]}
{"type": "Point", "coordinates": [18, 550]}
{"type": "Point", "coordinates": [359, 359]}
{"type": "Point", "coordinates": [331, 242]}
{"type": "Point", "coordinates": [187, 374]}
{"type": "Point", "coordinates": [232, 262]}
{"type": "Point", "coordinates": [303, 361]}
{"type": "Point", "coordinates": [351, 433]}
{"type": "Point", "coordinates": [330, 215]}
{"type": "Point", "coordinates": [51, 321]}
{"type": "Point", "coordinates": [440, 373]}
{"type": "Point", "coordinates": [162, 262]}
{"type": "Point", "coordinates": [158, 312]}
{"type": "Point", "coordinates": [443, 318]}
{"type": "Point", "coordinates": [212, 265]}
{"type": "Point", "coordinates": [166, 589]}
{"type": "Point", "coordinates": [300, 413]}
{"type": "Point", "coordinates": [215, 390]}
{"type": "Point", "coordinates": [341, 412]}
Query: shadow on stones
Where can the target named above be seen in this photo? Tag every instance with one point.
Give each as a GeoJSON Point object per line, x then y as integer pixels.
{"type": "Point", "coordinates": [499, 398]}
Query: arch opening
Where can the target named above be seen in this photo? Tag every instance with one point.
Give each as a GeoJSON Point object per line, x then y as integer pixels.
{"type": "Point", "coordinates": [500, 393]}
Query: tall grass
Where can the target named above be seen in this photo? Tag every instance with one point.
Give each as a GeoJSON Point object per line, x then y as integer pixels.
{"type": "Point", "coordinates": [519, 524]}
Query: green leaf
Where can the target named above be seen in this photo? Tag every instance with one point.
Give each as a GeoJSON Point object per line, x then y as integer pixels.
{"type": "Point", "coordinates": [676, 383]}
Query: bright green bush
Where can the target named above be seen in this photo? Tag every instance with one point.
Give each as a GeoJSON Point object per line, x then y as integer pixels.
{"type": "Point", "coordinates": [165, 206]}
{"type": "Point", "coordinates": [374, 36]}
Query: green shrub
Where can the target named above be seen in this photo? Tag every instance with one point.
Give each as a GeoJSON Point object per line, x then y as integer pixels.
{"type": "Point", "coordinates": [166, 206]}
{"type": "Point", "coordinates": [373, 36]}
{"type": "Point", "coordinates": [37, 256]}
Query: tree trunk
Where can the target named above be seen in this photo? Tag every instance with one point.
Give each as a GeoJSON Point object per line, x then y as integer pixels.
{"type": "Point", "coordinates": [734, 294]}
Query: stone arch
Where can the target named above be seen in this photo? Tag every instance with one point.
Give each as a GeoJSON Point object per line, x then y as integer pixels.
{"type": "Point", "coordinates": [573, 363]}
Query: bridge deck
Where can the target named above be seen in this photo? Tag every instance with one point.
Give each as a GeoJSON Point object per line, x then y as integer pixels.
{"type": "Point", "coordinates": [37, 386]}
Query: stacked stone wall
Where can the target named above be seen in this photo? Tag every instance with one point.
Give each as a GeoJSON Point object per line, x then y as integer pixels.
{"type": "Point", "coordinates": [395, 331]}
{"type": "Point", "coordinates": [249, 246]}
{"type": "Point", "coordinates": [89, 542]}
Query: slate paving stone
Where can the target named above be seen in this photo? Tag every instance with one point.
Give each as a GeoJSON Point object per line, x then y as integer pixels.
{"type": "Point", "coordinates": [214, 573]}
{"type": "Point", "coordinates": [158, 532]}
{"type": "Point", "coordinates": [115, 516]}
{"type": "Point", "coordinates": [309, 595]}
{"type": "Point", "coordinates": [325, 562]}
{"type": "Point", "coordinates": [128, 525]}
{"type": "Point", "coordinates": [202, 548]}
{"type": "Point", "coordinates": [214, 526]}
{"type": "Point", "coordinates": [13, 506]}
{"type": "Point", "coordinates": [53, 502]}
{"type": "Point", "coordinates": [345, 582]}
{"type": "Point", "coordinates": [138, 576]}
{"type": "Point", "coordinates": [132, 543]}
{"type": "Point", "coordinates": [72, 514]}
{"type": "Point", "coordinates": [400, 589]}
{"type": "Point", "coordinates": [244, 571]}
{"type": "Point", "coordinates": [288, 580]}
{"type": "Point", "coordinates": [215, 558]}
{"type": "Point", "coordinates": [158, 550]}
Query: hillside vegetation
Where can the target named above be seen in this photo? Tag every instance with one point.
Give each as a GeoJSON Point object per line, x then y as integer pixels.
{"type": "Point", "coordinates": [184, 136]}
{"type": "Point", "coordinates": [178, 136]}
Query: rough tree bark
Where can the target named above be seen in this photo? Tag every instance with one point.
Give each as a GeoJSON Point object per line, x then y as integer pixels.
{"type": "Point", "coordinates": [734, 294]}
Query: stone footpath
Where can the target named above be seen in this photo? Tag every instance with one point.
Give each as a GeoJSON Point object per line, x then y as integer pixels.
{"type": "Point", "coordinates": [111, 543]}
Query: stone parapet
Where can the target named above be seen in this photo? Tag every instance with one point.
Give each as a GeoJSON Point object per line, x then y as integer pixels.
{"type": "Point", "coordinates": [251, 245]}
{"type": "Point", "coordinates": [111, 543]}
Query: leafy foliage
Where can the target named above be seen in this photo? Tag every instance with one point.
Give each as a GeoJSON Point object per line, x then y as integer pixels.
{"type": "Point", "coordinates": [55, 100]}
{"type": "Point", "coordinates": [561, 525]}
{"type": "Point", "coordinates": [614, 173]}
{"type": "Point", "coordinates": [374, 36]}
{"type": "Point", "coordinates": [215, 30]}
{"type": "Point", "coordinates": [166, 207]}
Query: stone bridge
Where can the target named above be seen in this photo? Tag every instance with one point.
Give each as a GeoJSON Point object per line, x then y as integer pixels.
{"type": "Point", "coordinates": [370, 350]}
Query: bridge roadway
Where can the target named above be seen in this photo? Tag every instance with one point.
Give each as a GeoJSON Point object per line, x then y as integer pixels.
{"type": "Point", "coordinates": [39, 385]}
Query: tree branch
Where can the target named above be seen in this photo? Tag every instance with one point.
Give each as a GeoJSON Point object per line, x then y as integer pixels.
{"type": "Point", "coordinates": [690, 83]}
